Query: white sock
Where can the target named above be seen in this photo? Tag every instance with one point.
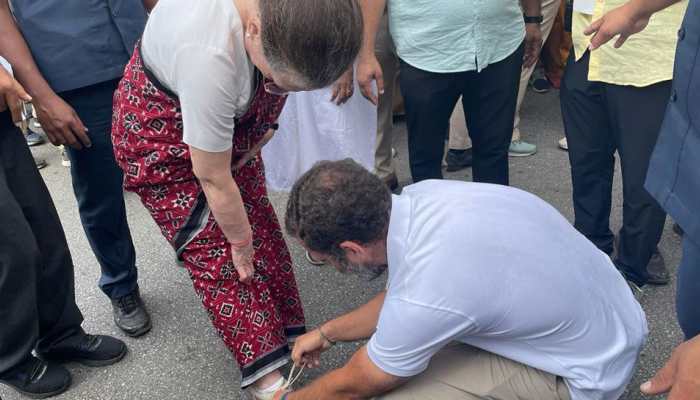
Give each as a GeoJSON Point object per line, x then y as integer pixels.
{"type": "Point", "coordinates": [274, 387]}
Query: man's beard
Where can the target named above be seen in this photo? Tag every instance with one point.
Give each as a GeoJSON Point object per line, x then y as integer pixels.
{"type": "Point", "coordinates": [368, 272]}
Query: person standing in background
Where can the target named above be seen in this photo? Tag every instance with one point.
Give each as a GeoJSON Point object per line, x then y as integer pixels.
{"type": "Point", "coordinates": [673, 178]}
{"type": "Point", "coordinates": [70, 55]}
{"type": "Point", "coordinates": [614, 100]}
{"type": "Point", "coordinates": [37, 291]}
{"type": "Point", "coordinates": [475, 50]}
{"type": "Point", "coordinates": [459, 154]}
{"type": "Point", "coordinates": [386, 55]}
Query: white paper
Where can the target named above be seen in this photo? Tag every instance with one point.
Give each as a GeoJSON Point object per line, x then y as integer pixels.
{"type": "Point", "coordinates": [584, 6]}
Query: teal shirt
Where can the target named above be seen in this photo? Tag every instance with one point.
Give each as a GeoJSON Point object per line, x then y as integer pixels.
{"type": "Point", "coordinates": [455, 35]}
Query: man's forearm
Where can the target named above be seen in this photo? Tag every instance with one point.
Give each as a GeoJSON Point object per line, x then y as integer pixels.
{"type": "Point", "coordinates": [372, 11]}
{"type": "Point", "coordinates": [532, 8]}
{"type": "Point", "coordinates": [15, 50]}
{"type": "Point", "coordinates": [355, 325]}
{"type": "Point", "coordinates": [358, 379]}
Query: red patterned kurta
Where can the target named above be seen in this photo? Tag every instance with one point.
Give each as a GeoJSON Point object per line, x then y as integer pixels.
{"type": "Point", "coordinates": [255, 320]}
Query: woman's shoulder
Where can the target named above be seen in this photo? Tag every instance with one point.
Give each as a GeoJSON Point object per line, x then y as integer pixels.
{"type": "Point", "coordinates": [204, 23]}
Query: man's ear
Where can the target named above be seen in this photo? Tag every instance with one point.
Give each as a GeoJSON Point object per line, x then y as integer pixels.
{"type": "Point", "coordinates": [352, 249]}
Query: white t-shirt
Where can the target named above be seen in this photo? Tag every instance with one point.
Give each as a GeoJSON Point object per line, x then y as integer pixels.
{"type": "Point", "coordinates": [6, 65]}
{"type": "Point", "coordinates": [195, 49]}
{"type": "Point", "coordinates": [500, 269]}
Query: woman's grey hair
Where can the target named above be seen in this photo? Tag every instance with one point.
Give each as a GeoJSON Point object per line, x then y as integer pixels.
{"type": "Point", "coordinates": [337, 201]}
{"type": "Point", "coordinates": [315, 40]}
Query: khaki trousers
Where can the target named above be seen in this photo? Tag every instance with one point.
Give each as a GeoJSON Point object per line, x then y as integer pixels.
{"type": "Point", "coordinates": [463, 372]}
{"type": "Point", "coordinates": [459, 136]}
{"type": "Point", "coordinates": [386, 55]}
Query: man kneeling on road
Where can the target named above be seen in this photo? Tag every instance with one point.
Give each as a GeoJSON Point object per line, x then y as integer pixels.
{"type": "Point", "coordinates": [491, 293]}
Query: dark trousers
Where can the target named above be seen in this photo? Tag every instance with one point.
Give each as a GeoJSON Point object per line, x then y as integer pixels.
{"type": "Point", "coordinates": [97, 184]}
{"type": "Point", "coordinates": [688, 290]}
{"type": "Point", "coordinates": [599, 119]}
{"type": "Point", "coordinates": [37, 296]}
{"type": "Point", "coordinates": [489, 98]}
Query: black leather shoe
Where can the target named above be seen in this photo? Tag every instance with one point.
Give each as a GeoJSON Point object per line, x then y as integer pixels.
{"type": "Point", "coordinates": [37, 379]}
{"type": "Point", "coordinates": [90, 350]}
{"type": "Point", "coordinates": [130, 314]}
{"type": "Point", "coordinates": [458, 159]}
{"type": "Point", "coordinates": [657, 272]}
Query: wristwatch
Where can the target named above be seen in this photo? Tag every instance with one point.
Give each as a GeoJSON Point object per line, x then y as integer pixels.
{"type": "Point", "coordinates": [533, 20]}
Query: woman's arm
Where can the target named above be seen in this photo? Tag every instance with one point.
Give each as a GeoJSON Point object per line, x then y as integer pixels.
{"type": "Point", "coordinates": [214, 173]}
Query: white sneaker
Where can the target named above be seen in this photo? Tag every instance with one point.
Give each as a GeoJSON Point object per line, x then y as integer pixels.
{"type": "Point", "coordinates": [563, 144]}
{"type": "Point", "coordinates": [268, 393]}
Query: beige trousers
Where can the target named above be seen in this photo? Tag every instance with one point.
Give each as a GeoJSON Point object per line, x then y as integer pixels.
{"type": "Point", "coordinates": [386, 55]}
{"type": "Point", "coordinates": [459, 136]}
{"type": "Point", "coordinates": [462, 372]}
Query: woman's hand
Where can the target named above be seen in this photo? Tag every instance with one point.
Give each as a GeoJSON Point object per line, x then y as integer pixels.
{"type": "Point", "coordinates": [213, 170]}
{"type": "Point", "coordinates": [343, 88]}
{"type": "Point", "coordinates": [255, 150]}
{"type": "Point", "coordinates": [242, 256]}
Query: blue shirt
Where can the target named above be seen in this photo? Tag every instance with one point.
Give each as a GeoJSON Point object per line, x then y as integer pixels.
{"type": "Point", "coordinates": [78, 43]}
{"type": "Point", "coordinates": [455, 35]}
{"type": "Point", "coordinates": [674, 170]}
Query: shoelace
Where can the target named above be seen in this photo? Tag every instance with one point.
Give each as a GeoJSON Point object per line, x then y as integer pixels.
{"type": "Point", "coordinates": [38, 370]}
{"type": "Point", "coordinates": [128, 303]}
{"type": "Point", "coordinates": [292, 378]}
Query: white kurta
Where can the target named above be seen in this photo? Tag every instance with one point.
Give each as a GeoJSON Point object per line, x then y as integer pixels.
{"type": "Point", "coordinates": [312, 128]}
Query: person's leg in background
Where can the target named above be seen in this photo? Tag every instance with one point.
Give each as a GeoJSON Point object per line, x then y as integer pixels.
{"type": "Point", "coordinates": [591, 152]}
{"type": "Point", "coordinates": [555, 53]}
{"type": "Point", "coordinates": [489, 99]}
{"type": "Point", "coordinates": [688, 289]}
{"type": "Point", "coordinates": [429, 99]}
{"type": "Point", "coordinates": [518, 147]}
{"type": "Point", "coordinates": [25, 205]}
{"type": "Point", "coordinates": [386, 55]}
{"type": "Point", "coordinates": [556, 48]}
{"type": "Point", "coordinates": [636, 115]}
{"type": "Point", "coordinates": [459, 151]}
{"type": "Point", "coordinates": [37, 292]}
{"type": "Point", "coordinates": [97, 184]}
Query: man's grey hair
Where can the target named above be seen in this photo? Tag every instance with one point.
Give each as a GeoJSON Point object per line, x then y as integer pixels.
{"type": "Point", "coordinates": [337, 201]}
{"type": "Point", "coordinates": [313, 40]}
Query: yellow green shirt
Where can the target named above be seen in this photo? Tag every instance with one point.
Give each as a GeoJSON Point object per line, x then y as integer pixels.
{"type": "Point", "coordinates": [645, 58]}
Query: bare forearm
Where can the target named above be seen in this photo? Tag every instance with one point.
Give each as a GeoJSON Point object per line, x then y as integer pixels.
{"type": "Point", "coordinates": [225, 202]}
{"type": "Point", "coordinates": [358, 379]}
{"type": "Point", "coordinates": [532, 8]}
{"type": "Point", "coordinates": [15, 50]}
{"type": "Point", "coordinates": [358, 324]}
{"type": "Point", "coordinates": [372, 11]}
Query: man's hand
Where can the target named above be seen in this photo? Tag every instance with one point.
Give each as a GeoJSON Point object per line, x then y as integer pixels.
{"type": "Point", "coordinates": [368, 70]}
{"type": "Point", "coordinates": [343, 88]}
{"type": "Point", "coordinates": [255, 150]}
{"type": "Point", "coordinates": [625, 21]}
{"type": "Point", "coordinates": [61, 123]}
{"type": "Point", "coordinates": [680, 375]}
{"type": "Point", "coordinates": [308, 347]}
{"type": "Point", "coordinates": [533, 44]}
{"type": "Point", "coordinates": [11, 95]}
